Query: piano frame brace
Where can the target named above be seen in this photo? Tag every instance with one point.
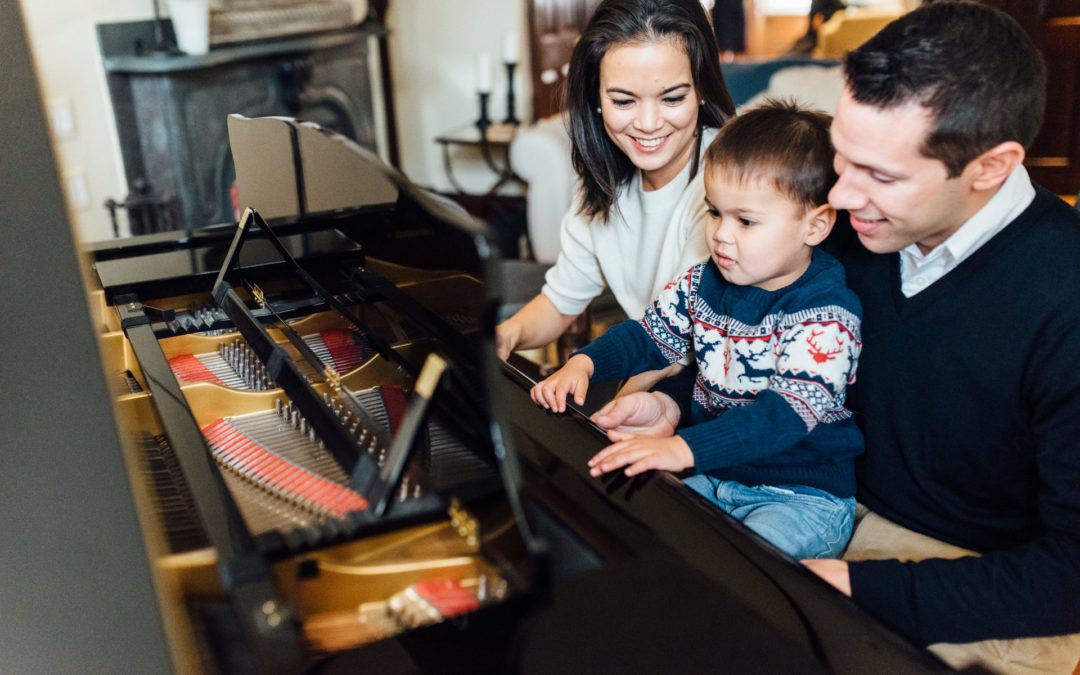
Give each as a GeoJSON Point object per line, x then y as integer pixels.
{"type": "Point", "coordinates": [453, 383]}
{"type": "Point", "coordinates": [378, 486]}
{"type": "Point", "coordinates": [383, 488]}
{"type": "Point", "coordinates": [245, 576]}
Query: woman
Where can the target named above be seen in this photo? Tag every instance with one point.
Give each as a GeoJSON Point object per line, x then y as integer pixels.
{"type": "Point", "coordinates": [645, 95]}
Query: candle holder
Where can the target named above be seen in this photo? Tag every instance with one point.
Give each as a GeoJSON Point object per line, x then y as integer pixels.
{"type": "Point", "coordinates": [511, 118]}
{"type": "Point", "coordinates": [484, 122]}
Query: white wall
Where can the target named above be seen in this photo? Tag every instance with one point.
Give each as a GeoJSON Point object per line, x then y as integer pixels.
{"type": "Point", "coordinates": [64, 46]}
{"type": "Point", "coordinates": [433, 55]}
{"type": "Point", "coordinates": [433, 46]}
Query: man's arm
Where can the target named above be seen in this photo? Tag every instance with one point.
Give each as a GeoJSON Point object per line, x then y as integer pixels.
{"type": "Point", "coordinates": [1031, 589]}
{"type": "Point", "coordinates": [1028, 591]}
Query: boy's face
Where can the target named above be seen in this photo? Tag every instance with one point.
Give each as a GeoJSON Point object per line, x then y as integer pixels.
{"type": "Point", "coordinates": [896, 195]}
{"type": "Point", "coordinates": [758, 236]}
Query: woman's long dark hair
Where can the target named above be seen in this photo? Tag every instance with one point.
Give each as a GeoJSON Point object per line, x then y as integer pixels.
{"type": "Point", "coordinates": [603, 167]}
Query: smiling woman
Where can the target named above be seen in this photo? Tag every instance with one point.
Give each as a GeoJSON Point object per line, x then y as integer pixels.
{"type": "Point", "coordinates": [649, 108]}
{"type": "Point", "coordinates": [645, 95]}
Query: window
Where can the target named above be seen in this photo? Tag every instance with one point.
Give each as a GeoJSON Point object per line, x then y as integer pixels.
{"type": "Point", "coordinates": [798, 7]}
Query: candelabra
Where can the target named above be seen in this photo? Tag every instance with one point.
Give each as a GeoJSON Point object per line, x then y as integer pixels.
{"type": "Point", "coordinates": [510, 116]}
{"type": "Point", "coordinates": [484, 121]}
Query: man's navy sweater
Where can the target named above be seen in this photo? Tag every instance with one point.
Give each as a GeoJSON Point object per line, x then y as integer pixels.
{"type": "Point", "coordinates": [969, 400]}
{"type": "Point", "coordinates": [773, 370]}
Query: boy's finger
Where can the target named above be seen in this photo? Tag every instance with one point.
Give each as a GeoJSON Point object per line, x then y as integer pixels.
{"type": "Point", "coordinates": [559, 396]}
{"type": "Point", "coordinates": [550, 398]}
{"type": "Point", "coordinates": [605, 453]}
{"type": "Point", "coordinates": [580, 391]}
{"type": "Point", "coordinates": [537, 395]}
{"type": "Point", "coordinates": [612, 463]}
{"type": "Point", "coordinates": [641, 466]}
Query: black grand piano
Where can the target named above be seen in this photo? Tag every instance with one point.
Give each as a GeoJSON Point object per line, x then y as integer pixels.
{"type": "Point", "coordinates": [324, 468]}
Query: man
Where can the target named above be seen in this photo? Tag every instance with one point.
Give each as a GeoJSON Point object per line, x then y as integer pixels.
{"type": "Point", "coordinates": [968, 391]}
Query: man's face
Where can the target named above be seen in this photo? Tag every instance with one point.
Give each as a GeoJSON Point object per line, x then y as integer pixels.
{"type": "Point", "coordinates": [896, 195]}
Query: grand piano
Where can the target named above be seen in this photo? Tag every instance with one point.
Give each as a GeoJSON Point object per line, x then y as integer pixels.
{"type": "Point", "coordinates": [314, 462]}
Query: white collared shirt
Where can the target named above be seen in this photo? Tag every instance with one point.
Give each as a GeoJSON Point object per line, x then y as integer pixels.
{"type": "Point", "coordinates": [918, 271]}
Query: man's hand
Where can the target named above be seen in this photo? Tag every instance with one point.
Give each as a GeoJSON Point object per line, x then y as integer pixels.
{"type": "Point", "coordinates": [572, 378]}
{"type": "Point", "coordinates": [638, 414]}
{"type": "Point", "coordinates": [643, 453]}
{"type": "Point", "coordinates": [833, 571]}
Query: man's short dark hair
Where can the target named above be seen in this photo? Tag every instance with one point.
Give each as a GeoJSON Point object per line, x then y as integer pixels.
{"type": "Point", "coordinates": [971, 66]}
{"type": "Point", "coordinates": [780, 143]}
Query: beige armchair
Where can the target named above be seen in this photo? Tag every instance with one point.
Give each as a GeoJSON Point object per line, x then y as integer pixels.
{"type": "Point", "coordinates": [850, 28]}
{"type": "Point", "coordinates": [540, 154]}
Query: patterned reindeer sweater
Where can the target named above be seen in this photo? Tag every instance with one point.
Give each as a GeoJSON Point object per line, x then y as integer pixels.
{"type": "Point", "coordinates": [773, 370]}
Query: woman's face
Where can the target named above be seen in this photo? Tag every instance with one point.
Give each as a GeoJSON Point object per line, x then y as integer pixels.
{"type": "Point", "coordinates": [650, 107]}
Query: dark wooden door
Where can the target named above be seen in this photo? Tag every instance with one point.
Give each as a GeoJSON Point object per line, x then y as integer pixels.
{"type": "Point", "coordinates": [554, 27]}
{"type": "Point", "coordinates": [1054, 26]}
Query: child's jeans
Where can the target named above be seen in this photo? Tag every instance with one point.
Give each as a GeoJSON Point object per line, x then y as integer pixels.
{"type": "Point", "coordinates": [802, 521]}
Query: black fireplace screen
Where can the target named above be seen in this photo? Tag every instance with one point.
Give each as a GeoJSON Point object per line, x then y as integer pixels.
{"type": "Point", "coordinates": [171, 115]}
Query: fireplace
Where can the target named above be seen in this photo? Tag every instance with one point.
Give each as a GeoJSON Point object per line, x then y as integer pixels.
{"type": "Point", "coordinates": [171, 110]}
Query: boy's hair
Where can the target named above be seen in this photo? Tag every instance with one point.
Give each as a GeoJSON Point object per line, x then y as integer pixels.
{"type": "Point", "coordinates": [971, 66]}
{"type": "Point", "coordinates": [781, 143]}
{"type": "Point", "coordinates": [602, 166]}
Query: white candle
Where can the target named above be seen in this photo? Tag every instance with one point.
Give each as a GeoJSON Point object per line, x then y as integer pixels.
{"type": "Point", "coordinates": [510, 48]}
{"type": "Point", "coordinates": [483, 73]}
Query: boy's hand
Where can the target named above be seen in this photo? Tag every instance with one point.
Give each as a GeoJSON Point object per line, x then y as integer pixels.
{"type": "Point", "coordinates": [573, 378]}
{"type": "Point", "coordinates": [643, 453]}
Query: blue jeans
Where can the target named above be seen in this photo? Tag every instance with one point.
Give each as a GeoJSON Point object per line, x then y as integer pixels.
{"type": "Point", "coordinates": [802, 521]}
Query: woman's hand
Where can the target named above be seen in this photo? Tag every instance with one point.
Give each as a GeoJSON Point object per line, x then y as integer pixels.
{"type": "Point", "coordinates": [643, 453]}
{"type": "Point", "coordinates": [507, 337]}
{"type": "Point", "coordinates": [534, 325]}
{"type": "Point", "coordinates": [573, 378]}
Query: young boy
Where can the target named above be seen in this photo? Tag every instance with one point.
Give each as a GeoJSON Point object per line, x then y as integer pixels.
{"type": "Point", "coordinates": [776, 336]}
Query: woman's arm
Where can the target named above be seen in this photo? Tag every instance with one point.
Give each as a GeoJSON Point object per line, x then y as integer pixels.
{"type": "Point", "coordinates": [534, 325]}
